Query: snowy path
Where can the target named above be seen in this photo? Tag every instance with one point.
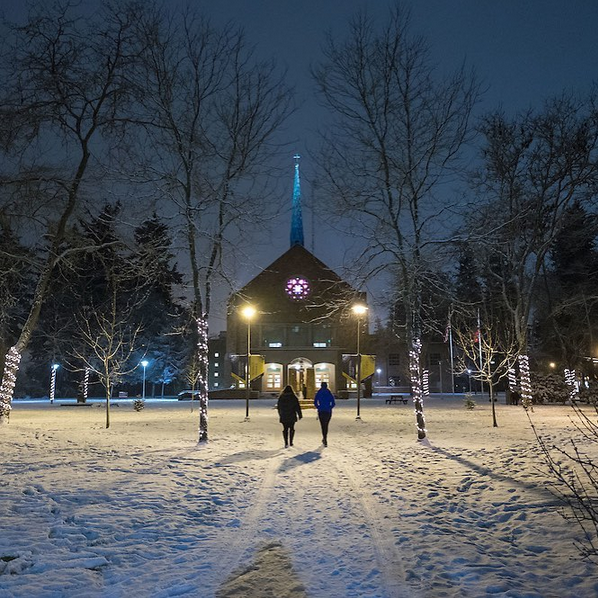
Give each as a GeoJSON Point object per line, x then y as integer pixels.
{"type": "Point", "coordinates": [140, 510]}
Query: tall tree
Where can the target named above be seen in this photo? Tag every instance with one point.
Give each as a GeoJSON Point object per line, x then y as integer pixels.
{"type": "Point", "coordinates": [567, 304]}
{"type": "Point", "coordinates": [212, 111]}
{"type": "Point", "coordinates": [536, 165]}
{"type": "Point", "coordinates": [395, 137]}
{"type": "Point", "coordinates": [63, 92]}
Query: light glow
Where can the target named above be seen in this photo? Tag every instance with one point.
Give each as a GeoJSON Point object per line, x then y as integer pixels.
{"type": "Point", "coordinates": [359, 309]}
{"type": "Point", "coordinates": [248, 312]}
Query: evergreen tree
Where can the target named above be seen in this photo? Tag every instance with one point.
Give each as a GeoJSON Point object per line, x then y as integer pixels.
{"type": "Point", "coordinates": [568, 306]}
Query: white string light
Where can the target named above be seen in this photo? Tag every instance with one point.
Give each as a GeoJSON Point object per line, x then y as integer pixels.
{"type": "Point", "coordinates": [526, 386]}
{"type": "Point", "coordinates": [426, 383]}
{"type": "Point", "coordinates": [512, 377]}
{"type": "Point", "coordinates": [202, 377]}
{"type": "Point", "coordinates": [53, 383]}
{"type": "Point", "coordinates": [85, 384]}
{"type": "Point", "coordinates": [416, 388]}
{"type": "Point", "coordinates": [571, 382]}
{"type": "Point", "coordinates": [11, 367]}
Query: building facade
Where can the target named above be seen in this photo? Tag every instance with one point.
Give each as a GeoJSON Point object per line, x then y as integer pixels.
{"type": "Point", "coordinates": [304, 330]}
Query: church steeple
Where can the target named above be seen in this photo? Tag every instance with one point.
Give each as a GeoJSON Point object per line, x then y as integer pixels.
{"type": "Point", "coordinates": [297, 220]}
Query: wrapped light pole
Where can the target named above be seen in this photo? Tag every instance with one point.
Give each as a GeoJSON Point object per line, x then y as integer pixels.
{"type": "Point", "coordinates": [55, 367]}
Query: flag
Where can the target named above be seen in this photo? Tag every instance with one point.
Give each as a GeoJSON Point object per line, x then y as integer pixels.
{"type": "Point", "coordinates": [447, 332]}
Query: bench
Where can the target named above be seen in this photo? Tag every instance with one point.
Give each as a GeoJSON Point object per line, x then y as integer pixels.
{"type": "Point", "coordinates": [396, 399]}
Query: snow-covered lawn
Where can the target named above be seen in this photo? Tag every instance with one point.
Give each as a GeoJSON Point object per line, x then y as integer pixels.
{"type": "Point", "coordinates": [141, 510]}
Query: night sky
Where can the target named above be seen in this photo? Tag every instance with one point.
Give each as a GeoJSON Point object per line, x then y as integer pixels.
{"type": "Point", "coordinates": [523, 51]}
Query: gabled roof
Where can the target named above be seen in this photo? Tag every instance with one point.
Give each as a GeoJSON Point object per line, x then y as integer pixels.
{"type": "Point", "coordinates": [268, 289]}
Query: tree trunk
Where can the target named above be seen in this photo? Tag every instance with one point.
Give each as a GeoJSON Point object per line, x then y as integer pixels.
{"type": "Point", "coordinates": [202, 379]}
{"type": "Point", "coordinates": [416, 388]}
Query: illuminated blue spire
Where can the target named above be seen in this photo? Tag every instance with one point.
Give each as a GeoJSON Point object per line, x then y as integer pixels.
{"type": "Point", "coordinates": [297, 220]}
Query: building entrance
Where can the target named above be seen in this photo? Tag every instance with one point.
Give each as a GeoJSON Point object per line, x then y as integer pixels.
{"type": "Point", "coordinates": [301, 377]}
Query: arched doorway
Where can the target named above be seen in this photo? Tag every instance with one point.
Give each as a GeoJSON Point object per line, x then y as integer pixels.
{"type": "Point", "coordinates": [301, 377]}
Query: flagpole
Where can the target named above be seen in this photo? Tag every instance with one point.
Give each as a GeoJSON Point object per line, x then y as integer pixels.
{"type": "Point", "coordinates": [452, 357]}
{"type": "Point", "coordinates": [480, 347]}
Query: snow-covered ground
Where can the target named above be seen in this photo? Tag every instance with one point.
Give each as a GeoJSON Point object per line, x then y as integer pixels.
{"type": "Point", "coordinates": [141, 510]}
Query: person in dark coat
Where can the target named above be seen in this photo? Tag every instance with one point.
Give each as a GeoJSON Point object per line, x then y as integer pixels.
{"type": "Point", "coordinates": [289, 410]}
{"type": "Point", "coordinates": [324, 402]}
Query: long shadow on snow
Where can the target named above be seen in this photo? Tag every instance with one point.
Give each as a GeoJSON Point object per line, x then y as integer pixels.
{"type": "Point", "coordinates": [302, 459]}
{"type": "Point", "coordinates": [486, 471]}
{"type": "Point", "coordinates": [246, 456]}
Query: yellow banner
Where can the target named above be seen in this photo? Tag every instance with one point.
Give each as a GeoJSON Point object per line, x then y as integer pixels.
{"type": "Point", "coordinates": [349, 378]}
{"type": "Point", "coordinates": [368, 366]}
{"type": "Point", "coordinates": [257, 366]}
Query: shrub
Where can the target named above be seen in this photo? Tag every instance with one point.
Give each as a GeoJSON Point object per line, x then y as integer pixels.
{"type": "Point", "coordinates": [549, 388]}
{"type": "Point", "coordinates": [469, 402]}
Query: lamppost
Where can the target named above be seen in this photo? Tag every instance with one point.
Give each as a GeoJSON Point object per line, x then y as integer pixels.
{"type": "Point", "coordinates": [378, 371]}
{"type": "Point", "coordinates": [248, 312]}
{"type": "Point", "coordinates": [55, 367]}
{"type": "Point", "coordinates": [469, 376]}
{"type": "Point", "coordinates": [144, 365]}
{"type": "Point", "coordinates": [359, 310]}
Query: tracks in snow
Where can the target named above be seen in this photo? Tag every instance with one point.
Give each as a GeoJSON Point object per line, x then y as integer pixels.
{"type": "Point", "coordinates": [320, 507]}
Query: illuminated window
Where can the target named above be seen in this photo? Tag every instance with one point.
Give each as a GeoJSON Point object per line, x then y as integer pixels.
{"type": "Point", "coordinates": [216, 354]}
{"type": "Point", "coordinates": [216, 365]}
{"type": "Point", "coordinates": [274, 376]}
{"type": "Point", "coordinates": [215, 374]}
{"type": "Point", "coordinates": [324, 372]}
{"type": "Point", "coordinates": [297, 288]}
{"type": "Point", "coordinates": [274, 344]}
{"type": "Point", "coordinates": [320, 345]}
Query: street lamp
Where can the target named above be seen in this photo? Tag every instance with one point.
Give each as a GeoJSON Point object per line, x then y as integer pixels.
{"type": "Point", "coordinates": [378, 371]}
{"type": "Point", "coordinates": [144, 364]}
{"type": "Point", "coordinates": [248, 313]}
{"type": "Point", "coordinates": [55, 366]}
{"type": "Point", "coordinates": [359, 310]}
{"type": "Point", "coordinates": [469, 376]}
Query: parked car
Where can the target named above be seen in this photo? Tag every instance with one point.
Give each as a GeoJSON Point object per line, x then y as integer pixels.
{"type": "Point", "coordinates": [188, 395]}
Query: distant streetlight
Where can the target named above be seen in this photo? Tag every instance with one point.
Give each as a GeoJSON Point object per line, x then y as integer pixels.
{"type": "Point", "coordinates": [552, 364]}
{"type": "Point", "coordinates": [248, 312]}
{"type": "Point", "coordinates": [144, 364]}
{"type": "Point", "coordinates": [469, 375]}
{"type": "Point", "coordinates": [55, 367]}
{"type": "Point", "coordinates": [378, 371]}
{"type": "Point", "coordinates": [359, 310]}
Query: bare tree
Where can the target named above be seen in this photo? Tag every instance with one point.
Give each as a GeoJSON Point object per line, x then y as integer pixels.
{"type": "Point", "coordinates": [64, 91]}
{"type": "Point", "coordinates": [575, 476]}
{"type": "Point", "coordinates": [212, 111]}
{"type": "Point", "coordinates": [536, 165]}
{"type": "Point", "coordinates": [108, 334]}
{"type": "Point", "coordinates": [396, 138]}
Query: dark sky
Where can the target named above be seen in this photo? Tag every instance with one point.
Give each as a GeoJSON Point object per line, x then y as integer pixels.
{"type": "Point", "coordinates": [523, 50]}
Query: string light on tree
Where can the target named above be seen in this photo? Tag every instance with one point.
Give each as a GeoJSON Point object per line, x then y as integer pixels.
{"type": "Point", "coordinates": [202, 377]}
{"type": "Point", "coordinates": [526, 387]}
{"type": "Point", "coordinates": [86, 384]}
{"type": "Point", "coordinates": [426, 383]}
{"type": "Point", "coordinates": [416, 387]}
{"type": "Point", "coordinates": [11, 367]}
{"type": "Point", "coordinates": [571, 382]}
{"type": "Point", "coordinates": [512, 377]}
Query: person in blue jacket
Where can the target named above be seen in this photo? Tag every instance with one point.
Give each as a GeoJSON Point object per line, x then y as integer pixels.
{"type": "Point", "coordinates": [324, 402]}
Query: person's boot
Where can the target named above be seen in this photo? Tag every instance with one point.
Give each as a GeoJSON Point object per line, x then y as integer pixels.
{"type": "Point", "coordinates": [325, 441]}
{"type": "Point", "coordinates": [292, 435]}
{"type": "Point", "coordinates": [285, 435]}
